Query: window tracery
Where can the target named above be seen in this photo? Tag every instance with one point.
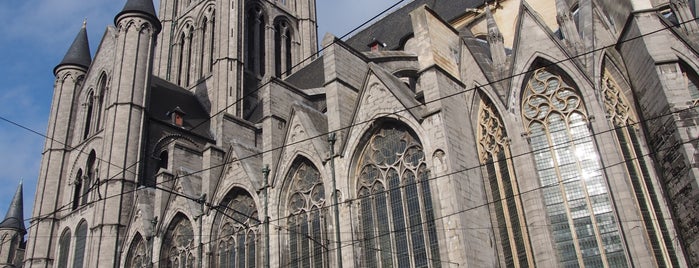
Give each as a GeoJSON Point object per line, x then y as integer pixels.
{"type": "Point", "coordinates": [238, 234]}
{"type": "Point", "coordinates": [306, 217]}
{"type": "Point", "coordinates": [178, 244]}
{"type": "Point", "coordinates": [578, 205]}
{"type": "Point", "coordinates": [397, 224]}
{"type": "Point", "coordinates": [625, 126]}
{"type": "Point", "coordinates": [137, 255]}
{"type": "Point", "coordinates": [494, 153]}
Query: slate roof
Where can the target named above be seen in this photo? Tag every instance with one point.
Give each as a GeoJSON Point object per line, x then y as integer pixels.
{"type": "Point", "coordinates": [396, 26]}
{"type": "Point", "coordinates": [166, 97]}
{"type": "Point", "coordinates": [79, 52]}
{"type": "Point", "coordinates": [310, 76]}
{"type": "Point", "coordinates": [14, 219]}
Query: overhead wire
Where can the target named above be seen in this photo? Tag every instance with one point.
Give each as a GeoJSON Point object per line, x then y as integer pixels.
{"type": "Point", "coordinates": [458, 93]}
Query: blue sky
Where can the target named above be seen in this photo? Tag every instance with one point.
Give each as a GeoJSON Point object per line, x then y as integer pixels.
{"type": "Point", "coordinates": [35, 36]}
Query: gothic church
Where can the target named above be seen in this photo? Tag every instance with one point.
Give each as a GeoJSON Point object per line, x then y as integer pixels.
{"type": "Point", "coordinates": [459, 133]}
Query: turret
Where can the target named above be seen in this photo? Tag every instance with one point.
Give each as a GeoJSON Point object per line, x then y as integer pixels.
{"type": "Point", "coordinates": [12, 232]}
{"type": "Point", "coordinates": [137, 30]}
{"type": "Point", "coordinates": [567, 27]}
{"type": "Point", "coordinates": [69, 73]}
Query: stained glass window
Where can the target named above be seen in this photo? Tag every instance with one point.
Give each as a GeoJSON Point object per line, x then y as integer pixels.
{"type": "Point", "coordinates": [238, 234]}
{"type": "Point", "coordinates": [397, 227]}
{"type": "Point", "coordinates": [178, 244]}
{"type": "Point", "coordinates": [625, 126]}
{"type": "Point", "coordinates": [494, 154]}
{"type": "Point", "coordinates": [578, 205]}
{"type": "Point", "coordinates": [306, 217]}
{"type": "Point", "coordinates": [136, 256]}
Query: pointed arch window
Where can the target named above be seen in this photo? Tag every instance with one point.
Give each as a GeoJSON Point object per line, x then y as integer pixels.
{"type": "Point", "coordinates": [101, 91]}
{"type": "Point", "coordinates": [395, 199]}
{"type": "Point", "coordinates": [89, 106]}
{"type": "Point", "coordinates": [578, 205]}
{"type": "Point", "coordinates": [212, 42]}
{"type": "Point", "coordinates": [89, 178]}
{"type": "Point", "coordinates": [80, 240]}
{"type": "Point", "coordinates": [178, 244]}
{"type": "Point", "coordinates": [203, 56]}
{"type": "Point", "coordinates": [238, 233]}
{"type": "Point", "coordinates": [136, 256]}
{"type": "Point", "coordinates": [306, 217]}
{"type": "Point", "coordinates": [63, 248]}
{"type": "Point", "coordinates": [77, 191]}
{"type": "Point", "coordinates": [282, 47]}
{"type": "Point", "coordinates": [625, 125]}
{"type": "Point", "coordinates": [180, 58]}
{"type": "Point", "coordinates": [508, 213]}
{"type": "Point", "coordinates": [255, 40]}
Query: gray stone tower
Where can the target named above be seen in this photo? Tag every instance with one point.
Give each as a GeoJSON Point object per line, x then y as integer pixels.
{"type": "Point", "coordinates": [50, 188]}
{"type": "Point", "coordinates": [12, 233]}
{"type": "Point", "coordinates": [201, 48]}
{"type": "Point", "coordinates": [125, 115]}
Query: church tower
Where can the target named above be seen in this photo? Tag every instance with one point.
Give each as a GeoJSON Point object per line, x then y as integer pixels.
{"type": "Point", "coordinates": [51, 187]}
{"type": "Point", "coordinates": [137, 28]}
{"type": "Point", "coordinates": [201, 48]}
{"type": "Point", "coordinates": [12, 233]}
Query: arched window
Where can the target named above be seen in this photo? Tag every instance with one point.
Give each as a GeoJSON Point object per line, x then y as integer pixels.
{"type": "Point", "coordinates": [575, 193]}
{"type": "Point", "coordinates": [178, 244]}
{"type": "Point", "coordinates": [63, 249]}
{"type": "Point", "coordinates": [89, 103]}
{"type": "Point", "coordinates": [255, 40]}
{"type": "Point", "coordinates": [184, 61]}
{"type": "Point", "coordinates": [203, 47]}
{"type": "Point", "coordinates": [180, 59]}
{"type": "Point", "coordinates": [80, 239]}
{"type": "Point", "coordinates": [625, 125]}
{"type": "Point", "coordinates": [101, 91]}
{"type": "Point", "coordinates": [494, 155]}
{"type": "Point", "coordinates": [89, 178]}
{"type": "Point", "coordinates": [77, 191]}
{"type": "Point", "coordinates": [238, 231]}
{"type": "Point", "coordinates": [212, 42]}
{"type": "Point", "coordinates": [305, 213]}
{"type": "Point", "coordinates": [282, 47]}
{"type": "Point", "coordinates": [397, 226]}
{"type": "Point", "coordinates": [136, 257]}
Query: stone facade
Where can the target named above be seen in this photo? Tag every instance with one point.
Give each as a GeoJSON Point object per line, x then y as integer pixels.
{"type": "Point", "coordinates": [507, 134]}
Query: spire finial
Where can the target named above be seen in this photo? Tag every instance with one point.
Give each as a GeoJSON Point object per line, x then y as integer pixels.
{"type": "Point", "coordinates": [85, 23]}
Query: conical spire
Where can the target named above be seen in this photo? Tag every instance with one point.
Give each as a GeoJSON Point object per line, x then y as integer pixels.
{"type": "Point", "coordinates": [14, 219]}
{"type": "Point", "coordinates": [79, 52]}
{"type": "Point", "coordinates": [144, 7]}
